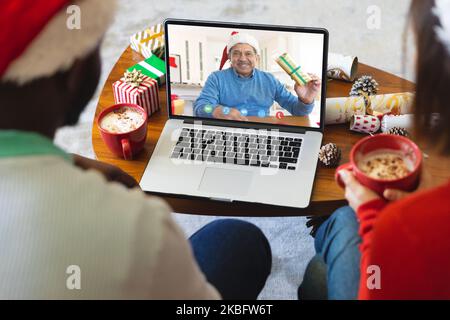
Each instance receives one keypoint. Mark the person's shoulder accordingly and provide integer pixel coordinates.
(128, 211)
(414, 210)
(116, 197)
(438, 197)
(265, 75)
(122, 195)
(219, 75)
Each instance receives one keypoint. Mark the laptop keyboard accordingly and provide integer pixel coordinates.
(254, 150)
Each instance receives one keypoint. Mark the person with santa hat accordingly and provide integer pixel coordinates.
(243, 90)
(74, 228)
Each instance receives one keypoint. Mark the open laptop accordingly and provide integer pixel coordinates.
(239, 131)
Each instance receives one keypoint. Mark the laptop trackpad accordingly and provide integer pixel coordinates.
(234, 182)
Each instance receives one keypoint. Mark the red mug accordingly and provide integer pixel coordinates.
(127, 144)
(384, 142)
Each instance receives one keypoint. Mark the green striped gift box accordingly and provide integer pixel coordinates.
(152, 67)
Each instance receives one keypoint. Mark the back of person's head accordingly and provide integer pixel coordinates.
(430, 20)
(49, 60)
(41, 38)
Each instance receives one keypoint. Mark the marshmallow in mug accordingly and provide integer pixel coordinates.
(122, 120)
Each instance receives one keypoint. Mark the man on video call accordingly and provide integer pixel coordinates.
(243, 90)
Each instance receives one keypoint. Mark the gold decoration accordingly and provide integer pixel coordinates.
(290, 67)
(133, 78)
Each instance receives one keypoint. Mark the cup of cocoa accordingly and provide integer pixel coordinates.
(383, 162)
(123, 128)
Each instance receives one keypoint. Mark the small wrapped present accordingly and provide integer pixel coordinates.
(139, 89)
(403, 121)
(342, 67)
(341, 110)
(287, 64)
(365, 124)
(149, 42)
(394, 104)
(152, 67)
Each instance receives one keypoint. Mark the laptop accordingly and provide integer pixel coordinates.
(239, 128)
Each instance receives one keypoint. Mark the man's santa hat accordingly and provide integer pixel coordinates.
(36, 41)
(235, 39)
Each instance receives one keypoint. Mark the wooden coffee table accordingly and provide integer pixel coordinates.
(326, 196)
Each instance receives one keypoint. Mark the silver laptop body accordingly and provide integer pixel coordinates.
(230, 160)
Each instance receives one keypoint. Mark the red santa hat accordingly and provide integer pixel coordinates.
(36, 41)
(235, 39)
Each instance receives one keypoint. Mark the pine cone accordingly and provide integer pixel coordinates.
(330, 155)
(398, 131)
(365, 84)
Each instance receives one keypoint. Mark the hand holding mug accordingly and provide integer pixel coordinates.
(355, 193)
(426, 182)
(384, 162)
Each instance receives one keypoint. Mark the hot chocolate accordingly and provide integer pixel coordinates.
(122, 120)
(385, 165)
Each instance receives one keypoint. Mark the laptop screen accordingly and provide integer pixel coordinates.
(258, 74)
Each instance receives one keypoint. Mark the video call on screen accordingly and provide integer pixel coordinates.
(215, 74)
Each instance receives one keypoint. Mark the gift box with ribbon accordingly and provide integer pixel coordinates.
(342, 67)
(139, 89)
(392, 104)
(149, 42)
(365, 124)
(341, 110)
(405, 121)
(152, 67)
(290, 67)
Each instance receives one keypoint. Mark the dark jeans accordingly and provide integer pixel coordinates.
(235, 257)
(334, 272)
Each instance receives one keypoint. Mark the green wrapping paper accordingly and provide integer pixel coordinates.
(287, 64)
(152, 67)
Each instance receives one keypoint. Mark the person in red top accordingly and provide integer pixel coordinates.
(396, 247)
